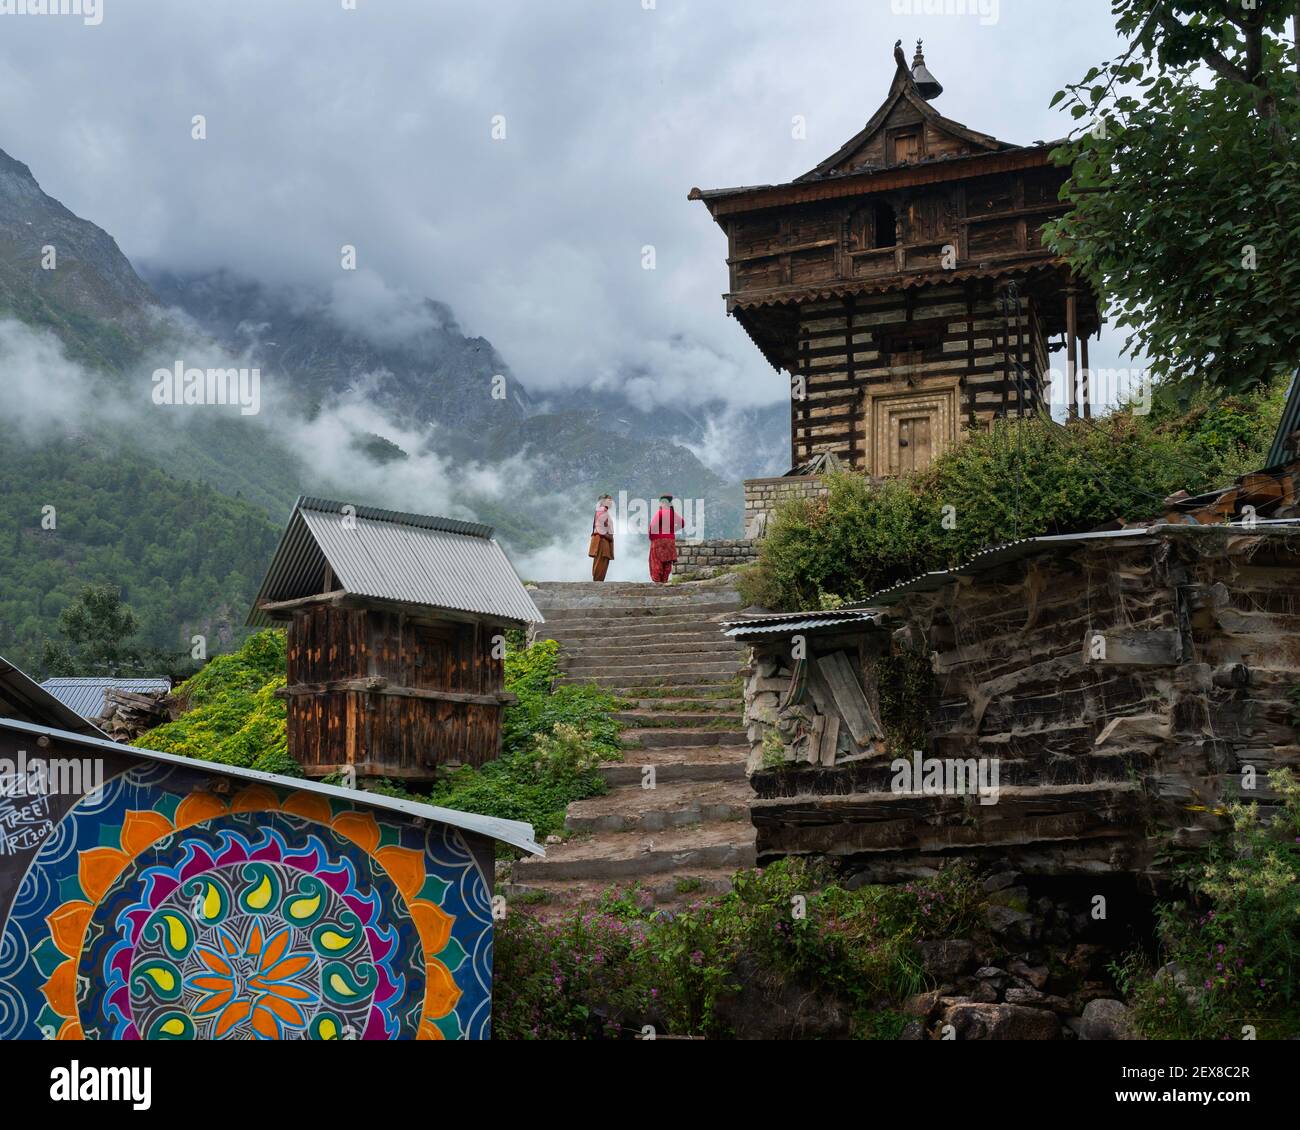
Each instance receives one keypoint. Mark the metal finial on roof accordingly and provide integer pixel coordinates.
(926, 84)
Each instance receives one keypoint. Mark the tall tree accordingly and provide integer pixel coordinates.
(97, 628)
(1185, 186)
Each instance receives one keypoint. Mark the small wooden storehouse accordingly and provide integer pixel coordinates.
(149, 896)
(904, 285)
(396, 639)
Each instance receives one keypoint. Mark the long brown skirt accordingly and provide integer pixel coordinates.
(602, 557)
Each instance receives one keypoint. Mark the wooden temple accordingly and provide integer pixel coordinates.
(904, 285)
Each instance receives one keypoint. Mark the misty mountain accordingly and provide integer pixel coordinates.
(411, 359)
(371, 392)
(410, 355)
(62, 273)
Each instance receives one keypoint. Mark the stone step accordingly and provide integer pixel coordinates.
(664, 737)
(679, 719)
(641, 619)
(589, 593)
(717, 648)
(629, 586)
(687, 705)
(629, 666)
(678, 684)
(634, 632)
(704, 763)
(618, 855)
(669, 805)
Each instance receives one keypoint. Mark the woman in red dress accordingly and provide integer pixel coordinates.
(663, 540)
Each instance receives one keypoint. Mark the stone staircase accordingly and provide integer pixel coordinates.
(659, 650)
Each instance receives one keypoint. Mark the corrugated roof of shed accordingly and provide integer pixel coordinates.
(85, 695)
(391, 555)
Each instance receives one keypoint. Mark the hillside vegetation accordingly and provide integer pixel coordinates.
(185, 557)
(553, 738)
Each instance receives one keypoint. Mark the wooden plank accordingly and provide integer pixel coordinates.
(381, 686)
(812, 751)
(849, 698)
(272, 606)
(829, 740)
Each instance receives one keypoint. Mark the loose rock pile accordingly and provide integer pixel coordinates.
(1026, 975)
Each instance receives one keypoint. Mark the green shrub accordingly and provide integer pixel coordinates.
(1235, 941)
(1017, 479)
(591, 974)
(553, 740)
(233, 715)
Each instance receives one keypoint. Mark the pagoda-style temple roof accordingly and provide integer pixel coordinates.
(913, 201)
(870, 160)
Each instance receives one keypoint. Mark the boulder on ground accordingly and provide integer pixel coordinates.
(947, 958)
(1107, 1020)
(976, 1021)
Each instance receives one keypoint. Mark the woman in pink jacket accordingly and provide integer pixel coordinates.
(663, 540)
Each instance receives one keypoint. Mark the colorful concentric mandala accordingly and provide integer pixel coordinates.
(270, 915)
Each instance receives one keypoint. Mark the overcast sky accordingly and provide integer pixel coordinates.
(374, 127)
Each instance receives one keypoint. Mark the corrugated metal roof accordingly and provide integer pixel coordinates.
(1282, 451)
(390, 555)
(514, 832)
(86, 695)
(25, 700)
(990, 559)
(782, 624)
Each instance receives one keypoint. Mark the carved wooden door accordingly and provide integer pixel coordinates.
(914, 447)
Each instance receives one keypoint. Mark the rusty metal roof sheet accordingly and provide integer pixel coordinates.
(390, 555)
(514, 832)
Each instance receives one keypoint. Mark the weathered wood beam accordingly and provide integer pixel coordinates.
(378, 685)
(271, 607)
(372, 769)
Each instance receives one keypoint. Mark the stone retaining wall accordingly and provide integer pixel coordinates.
(763, 496)
(704, 558)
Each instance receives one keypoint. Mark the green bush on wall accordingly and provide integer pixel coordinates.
(1017, 479)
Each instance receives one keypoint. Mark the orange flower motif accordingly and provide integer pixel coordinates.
(256, 981)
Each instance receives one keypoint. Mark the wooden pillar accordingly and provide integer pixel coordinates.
(1072, 349)
(1005, 299)
(1020, 359)
(851, 373)
(1086, 389)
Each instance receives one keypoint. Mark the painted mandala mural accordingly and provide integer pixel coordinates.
(270, 914)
